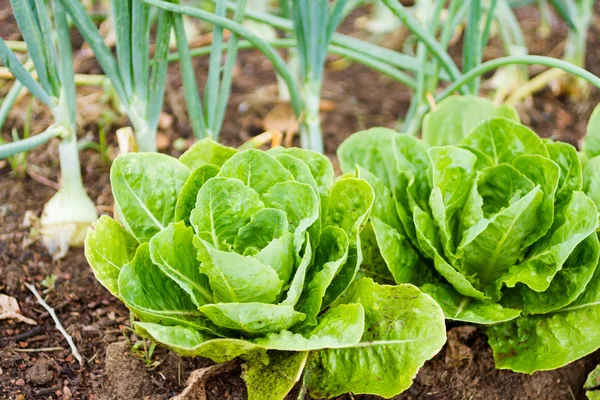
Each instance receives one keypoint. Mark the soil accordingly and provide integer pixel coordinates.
(35, 361)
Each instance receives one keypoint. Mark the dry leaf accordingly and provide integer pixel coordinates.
(196, 383)
(326, 106)
(281, 118)
(126, 140)
(9, 309)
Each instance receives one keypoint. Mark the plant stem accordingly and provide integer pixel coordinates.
(373, 63)
(17, 46)
(227, 77)
(369, 50)
(9, 101)
(412, 125)
(10, 149)
(522, 60)
(211, 92)
(432, 45)
(69, 165)
(310, 130)
(534, 85)
(80, 79)
(190, 91)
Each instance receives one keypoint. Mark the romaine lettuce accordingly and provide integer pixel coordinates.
(253, 254)
(498, 225)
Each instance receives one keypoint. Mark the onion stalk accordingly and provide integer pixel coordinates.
(69, 213)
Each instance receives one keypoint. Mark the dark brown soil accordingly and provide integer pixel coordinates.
(99, 323)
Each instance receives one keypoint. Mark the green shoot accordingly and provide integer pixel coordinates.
(49, 282)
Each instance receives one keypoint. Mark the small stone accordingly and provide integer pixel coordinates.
(109, 338)
(40, 373)
(20, 382)
(67, 393)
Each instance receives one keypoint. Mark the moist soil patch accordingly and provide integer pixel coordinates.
(35, 361)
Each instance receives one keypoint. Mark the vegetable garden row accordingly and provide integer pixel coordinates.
(330, 284)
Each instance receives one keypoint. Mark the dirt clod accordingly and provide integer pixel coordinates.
(40, 373)
(457, 349)
(126, 377)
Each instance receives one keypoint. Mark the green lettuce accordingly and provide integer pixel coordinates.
(496, 224)
(592, 384)
(224, 254)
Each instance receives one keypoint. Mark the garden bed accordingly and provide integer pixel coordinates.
(356, 98)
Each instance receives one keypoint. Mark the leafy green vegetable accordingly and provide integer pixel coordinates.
(496, 224)
(389, 353)
(449, 123)
(592, 384)
(253, 254)
(591, 143)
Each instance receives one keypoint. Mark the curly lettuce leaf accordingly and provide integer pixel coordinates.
(456, 116)
(500, 140)
(108, 247)
(591, 142)
(186, 201)
(467, 309)
(373, 150)
(173, 251)
(252, 318)
(146, 187)
(274, 380)
(575, 221)
(206, 151)
(223, 206)
(152, 297)
(549, 341)
(191, 343)
(591, 183)
(403, 328)
(256, 169)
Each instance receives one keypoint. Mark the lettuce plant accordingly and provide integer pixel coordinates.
(493, 223)
(224, 254)
(592, 384)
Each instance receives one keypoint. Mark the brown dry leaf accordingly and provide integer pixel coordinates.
(327, 106)
(281, 118)
(9, 309)
(196, 383)
(126, 140)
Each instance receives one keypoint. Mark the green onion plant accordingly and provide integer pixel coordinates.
(43, 25)
(137, 78)
(423, 73)
(314, 24)
(579, 14)
(206, 116)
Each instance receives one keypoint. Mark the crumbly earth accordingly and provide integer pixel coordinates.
(35, 361)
